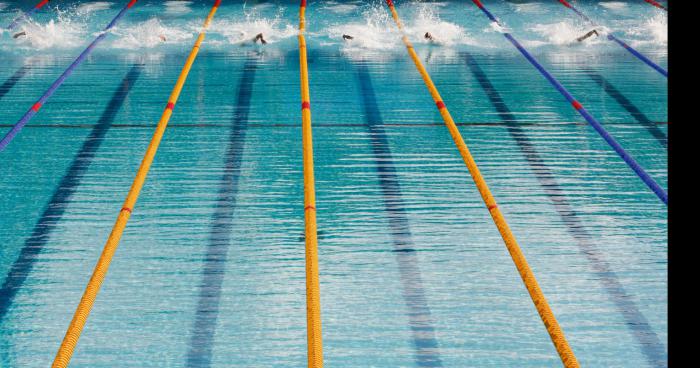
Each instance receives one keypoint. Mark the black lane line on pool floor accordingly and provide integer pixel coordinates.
(12, 80)
(20, 269)
(633, 110)
(214, 269)
(649, 342)
(329, 125)
(427, 351)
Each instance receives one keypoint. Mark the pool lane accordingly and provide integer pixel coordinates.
(201, 342)
(625, 103)
(180, 206)
(49, 219)
(636, 322)
(427, 353)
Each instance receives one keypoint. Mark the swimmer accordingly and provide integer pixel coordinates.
(259, 36)
(17, 35)
(348, 37)
(589, 34)
(429, 37)
(162, 38)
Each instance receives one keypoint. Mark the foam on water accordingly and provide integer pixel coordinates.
(237, 32)
(369, 23)
(653, 32)
(377, 30)
(177, 7)
(92, 7)
(3, 6)
(613, 5)
(444, 33)
(564, 33)
(148, 34)
(374, 32)
(496, 27)
(527, 7)
(62, 33)
(658, 27)
(339, 8)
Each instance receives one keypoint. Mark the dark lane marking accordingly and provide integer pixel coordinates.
(10, 82)
(427, 351)
(649, 342)
(337, 125)
(20, 269)
(321, 234)
(633, 110)
(202, 340)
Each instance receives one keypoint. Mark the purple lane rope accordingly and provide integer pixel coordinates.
(648, 180)
(35, 108)
(26, 15)
(618, 41)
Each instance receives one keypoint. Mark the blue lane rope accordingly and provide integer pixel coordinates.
(35, 108)
(612, 37)
(26, 15)
(660, 192)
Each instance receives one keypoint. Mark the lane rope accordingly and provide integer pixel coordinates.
(555, 332)
(656, 4)
(26, 15)
(631, 162)
(82, 312)
(314, 339)
(618, 41)
(34, 109)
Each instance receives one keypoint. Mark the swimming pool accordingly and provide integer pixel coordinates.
(210, 271)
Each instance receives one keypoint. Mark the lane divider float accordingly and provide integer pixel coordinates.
(26, 15)
(623, 44)
(314, 339)
(656, 4)
(631, 162)
(9, 136)
(82, 312)
(555, 332)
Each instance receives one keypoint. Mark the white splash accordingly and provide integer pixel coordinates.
(377, 31)
(374, 32)
(613, 5)
(92, 7)
(177, 7)
(62, 33)
(497, 27)
(565, 33)
(653, 31)
(149, 34)
(444, 33)
(658, 27)
(339, 8)
(240, 32)
(527, 7)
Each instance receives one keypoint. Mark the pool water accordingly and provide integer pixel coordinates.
(210, 271)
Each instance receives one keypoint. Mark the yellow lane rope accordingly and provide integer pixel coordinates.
(555, 332)
(313, 293)
(65, 352)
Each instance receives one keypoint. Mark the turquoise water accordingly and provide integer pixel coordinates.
(210, 271)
